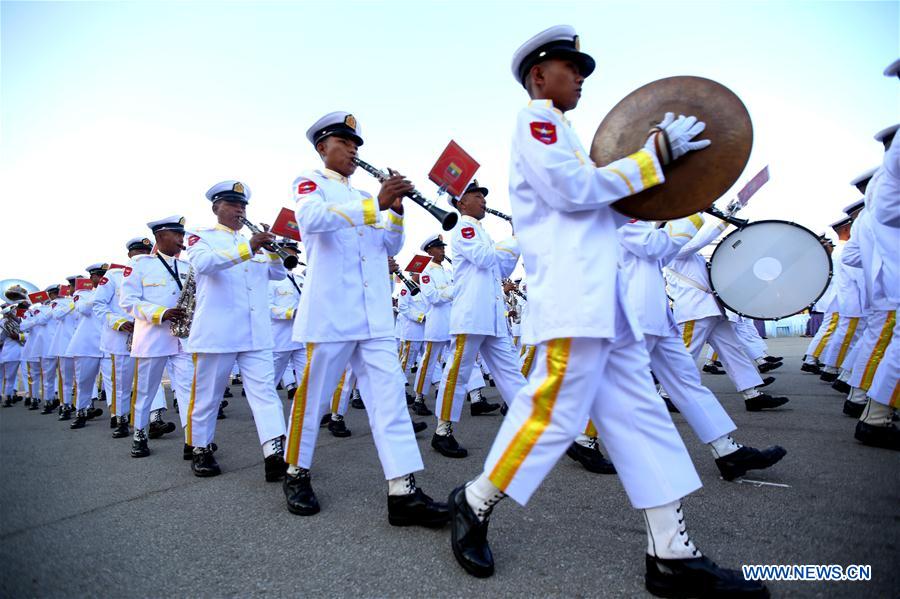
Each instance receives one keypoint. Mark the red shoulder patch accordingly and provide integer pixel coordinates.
(544, 132)
(306, 186)
(426, 279)
(403, 292)
(37, 311)
(467, 233)
(52, 304)
(75, 298)
(193, 239)
(127, 271)
(104, 281)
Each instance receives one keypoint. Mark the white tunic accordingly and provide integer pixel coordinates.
(64, 313)
(479, 267)
(231, 313)
(147, 292)
(86, 339)
(437, 288)
(850, 283)
(565, 224)
(110, 314)
(688, 277)
(347, 291)
(33, 324)
(284, 297)
(414, 308)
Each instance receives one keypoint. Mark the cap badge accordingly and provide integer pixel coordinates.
(577, 44)
(181, 221)
(238, 187)
(350, 121)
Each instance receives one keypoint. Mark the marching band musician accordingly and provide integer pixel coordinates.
(116, 329)
(84, 349)
(284, 296)
(64, 312)
(49, 326)
(702, 320)
(231, 323)
(585, 363)
(437, 288)
(412, 335)
(151, 286)
(11, 352)
(477, 317)
(30, 326)
(345, 316)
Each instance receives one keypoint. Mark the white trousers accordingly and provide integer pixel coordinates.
(148, 376)
(9, 369)
(608, 381)
(754, 345)
(874, 341)
(33, 370)
(118, 381)
(48, 378)
(381, 382)
(289, 362)
(820, 340)
(85, 388)
(211, 372)
(846, 333)
(718, 332)
(65, 379)
(885, 388)
(430, 369)
(409, 352)
(340, 399)
(676, 371)
(497, 352)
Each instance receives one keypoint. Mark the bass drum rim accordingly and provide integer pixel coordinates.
(775, 318)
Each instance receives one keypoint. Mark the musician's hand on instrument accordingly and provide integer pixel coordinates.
(508, 286)
(681, 132)
(173, 314)
(392, 190)
(260, 239)
(392, 265)
(128, 327)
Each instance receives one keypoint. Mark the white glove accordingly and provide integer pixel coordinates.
(671, 138)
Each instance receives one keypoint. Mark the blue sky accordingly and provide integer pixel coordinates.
(115, 114)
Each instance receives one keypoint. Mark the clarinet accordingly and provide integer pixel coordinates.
(499, 214)
(288, 260)
(413, 288)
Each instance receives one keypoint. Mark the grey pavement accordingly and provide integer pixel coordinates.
(80, 518)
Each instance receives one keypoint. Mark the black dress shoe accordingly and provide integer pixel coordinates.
(710, 369)
(357, 403)
(139, 448)
(420, 426)
(853, 409)
(227, 393)
(326, 418)
(504, 409)
(670, 406)
(491, 381)
(48, 408)
(159, 428)
(175, 404)
(291, 392)
(417, 509)
(447, 446)
(409, 399)
(697, 577)
(224, 403)
(828, 377)
(66, 413)
(276, 467)
(221, 415)
(746, 458)
(80, 420)
(420, 409)
(767, 366)
(113, 422)
(122, 430)
(774, 358)
(479, 408)
(7, 403)
(717, 363)
(243, 393)
(812, 368)
(886, 437)
(766, 382)
(35, 404)
(93, 413)
(841, 387)
(188, 452)
(338, 428)
(27, 402)
(468, 536)
(591, 458)
(203, 463)
(298, 491)
(764, 402)
(414, 370)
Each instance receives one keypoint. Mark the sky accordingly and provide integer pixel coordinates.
(113, 114)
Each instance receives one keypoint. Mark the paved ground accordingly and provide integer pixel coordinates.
(80, 518)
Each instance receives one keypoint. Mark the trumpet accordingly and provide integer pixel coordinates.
(447, 219)
(288, 260)
(498, 214)
(413, 288)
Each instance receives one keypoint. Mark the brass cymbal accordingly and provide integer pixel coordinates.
(696, 180)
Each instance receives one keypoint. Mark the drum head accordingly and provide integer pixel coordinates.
(770, 269)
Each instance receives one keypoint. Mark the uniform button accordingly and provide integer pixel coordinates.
(251, 309)
(360, 233)
(363, 258)
(365, 283)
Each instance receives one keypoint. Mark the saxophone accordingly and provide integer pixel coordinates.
(181, 327)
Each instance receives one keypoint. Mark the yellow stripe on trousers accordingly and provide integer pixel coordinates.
(59, 381)
(423, 369)
(450, 387)
(832, 325)
(189, 426)
(336, 396)
(590, 430)
(529, 360)
(845, 345)
(688, 334)
(895, 396)
(541, 411)
(878, 351)
(112, 404)
(405, 356)
(43, 395)
(134, 388)
(298, 410)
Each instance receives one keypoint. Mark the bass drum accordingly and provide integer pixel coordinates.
(769, 269)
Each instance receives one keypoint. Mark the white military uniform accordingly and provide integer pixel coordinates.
(231, 323)
(699, 316)
(478, 317)
(851, 299)
(64, 313)
(345, 316)
(84, 349)
(284, 297)
(412, 335)
(591, 357)
(644, 251)
(34, 324)
(119, 378)
(148, 290)
(49, 361)
(827, 304)
(10, 356)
